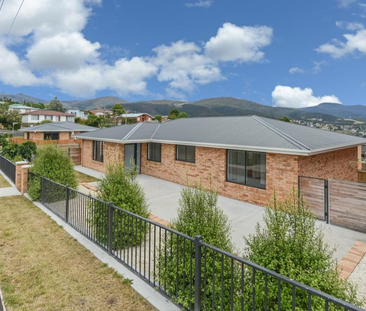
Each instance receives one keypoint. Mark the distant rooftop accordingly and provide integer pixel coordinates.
(59, 127)
(49, 113)
(19, 106)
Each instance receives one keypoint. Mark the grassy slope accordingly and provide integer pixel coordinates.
(44, 268)
(3, 182)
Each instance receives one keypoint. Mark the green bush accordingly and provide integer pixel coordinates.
(27, 150)
(54, 164)
(198, 214)
(289, 243)
(3, 140)
(10, 151)
(120, 187)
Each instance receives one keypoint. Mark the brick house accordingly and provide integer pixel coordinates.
(34, 117)
(244, 158)
(60, 131)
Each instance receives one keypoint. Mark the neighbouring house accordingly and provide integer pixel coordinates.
(21, 108)
(60, 131)
(245, 158)
(34, 117)
(139, 117)
(77, 113)
(101, 112)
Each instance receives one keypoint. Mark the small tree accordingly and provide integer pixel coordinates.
(55, 105)
(93, 120)
(54, 164)
(117, 111)
(174, 114)
(120, 187)
(27, 150)
(198, 214)
(158, 118)
(289, 243)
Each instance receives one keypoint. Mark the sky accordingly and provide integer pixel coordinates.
(287, 53)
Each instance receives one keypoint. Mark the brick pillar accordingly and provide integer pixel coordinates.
(359, 157)
(18, 173)
(24, 184)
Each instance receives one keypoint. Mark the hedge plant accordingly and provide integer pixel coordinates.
(120, 187)
(289, 243)
(198, 214)
(54, 164)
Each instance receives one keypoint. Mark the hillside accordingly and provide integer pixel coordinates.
(357, 112)
(88, 104)
(20, 98)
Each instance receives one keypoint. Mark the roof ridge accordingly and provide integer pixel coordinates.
(289, 138)
(152, 135)
(129, 134)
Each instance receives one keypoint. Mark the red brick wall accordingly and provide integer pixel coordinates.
(341, 164)
(210, 167)
(64, 136)
(112, 153)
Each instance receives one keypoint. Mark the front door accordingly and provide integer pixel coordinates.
(133, 156)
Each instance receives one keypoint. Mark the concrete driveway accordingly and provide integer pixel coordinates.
(164, 197)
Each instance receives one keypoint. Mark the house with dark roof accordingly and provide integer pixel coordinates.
(59, 131)
(35, 117)
(245, 157)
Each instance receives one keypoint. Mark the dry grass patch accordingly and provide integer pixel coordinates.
(81, 177)
(3, 182)
(44, 268)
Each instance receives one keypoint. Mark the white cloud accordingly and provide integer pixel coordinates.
(62, 51)
(201, 4)
(345, 3)
(242, 44)
(47, 47)
(293, 70)
(354, 43)
(349, 26)
(183, 66)
(286, 96)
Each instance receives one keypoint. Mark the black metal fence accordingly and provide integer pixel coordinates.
(190, 272)
(8, 168)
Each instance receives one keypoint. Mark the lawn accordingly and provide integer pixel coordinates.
(44, 268)
(81, 177)
(3, 182)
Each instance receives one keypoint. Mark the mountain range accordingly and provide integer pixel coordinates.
(212, 107)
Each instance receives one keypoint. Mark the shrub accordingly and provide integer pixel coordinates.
(198, 214)
(27, 150)
(3, 140)
(289, 243)
(10, 151)
(120, 187)
(54, 164)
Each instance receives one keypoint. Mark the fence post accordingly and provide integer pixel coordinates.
(197, 273)
(326, 201)
(110, 227)
(42, 190)
(67, 204)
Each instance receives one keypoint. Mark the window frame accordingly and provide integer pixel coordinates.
(185, 153)
(98, 156)
(51, 135)
(148, 149)
(245, 183)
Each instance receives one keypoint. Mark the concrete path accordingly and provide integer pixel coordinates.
(164, 201)
(8, 191)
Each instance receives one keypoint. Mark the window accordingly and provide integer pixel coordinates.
(185, 153)
(28, 135)
(247, 168)
(52, 136)
(34, 118)
(98, 151)
(70, 119)
(48, 117)
(154, 152)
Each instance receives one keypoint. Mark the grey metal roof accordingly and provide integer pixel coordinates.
(242, 132)
(59, 127)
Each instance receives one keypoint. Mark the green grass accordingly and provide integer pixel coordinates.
(3, 182)
(81, 177)
(43, 268)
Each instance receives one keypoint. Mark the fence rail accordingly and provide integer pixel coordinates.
(191, 273)
(8, 168)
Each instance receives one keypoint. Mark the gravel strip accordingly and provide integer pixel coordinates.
(358, 277)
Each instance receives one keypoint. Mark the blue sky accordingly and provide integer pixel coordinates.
(283, 53)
